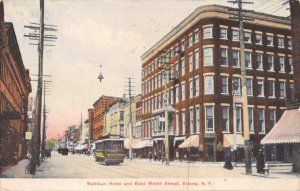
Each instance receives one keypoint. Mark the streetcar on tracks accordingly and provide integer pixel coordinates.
(110, 150)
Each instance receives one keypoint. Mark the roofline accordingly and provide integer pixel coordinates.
(104, 96)
(211, 8)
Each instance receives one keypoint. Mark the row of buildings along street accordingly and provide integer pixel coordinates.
(191, 94)
(200, 59)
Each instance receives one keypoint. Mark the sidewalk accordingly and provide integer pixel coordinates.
(16, 171)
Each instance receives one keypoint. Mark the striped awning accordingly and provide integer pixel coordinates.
(192, 141)
(286, 130)
(143, 144)
(228, 140)
(133, 143)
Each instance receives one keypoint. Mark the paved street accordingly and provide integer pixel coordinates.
(80, 172)
(81, 166)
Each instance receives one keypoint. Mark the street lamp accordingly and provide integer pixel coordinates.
(100, 77)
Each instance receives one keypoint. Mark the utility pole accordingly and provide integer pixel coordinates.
(44, 118)
(241, 19)
(130, 90)
(36, 139)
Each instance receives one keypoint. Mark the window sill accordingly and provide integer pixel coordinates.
(272, 97)
(225, 132)
(271, 70)
(258, 44)
(208, 38)
(223, 38)
(259, 69)
(270, 45)
(226, 94)
(261, 96)
(249, 68)
(252, 133)
(282, 72)
(261, 133)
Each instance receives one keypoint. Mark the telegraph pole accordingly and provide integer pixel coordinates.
(130, 90)
(44, 118)
(241, 19)
(40, 37)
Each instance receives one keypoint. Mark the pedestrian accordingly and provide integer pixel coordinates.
(228, 164)
(163, 158)
(150, 156)
(260, 162)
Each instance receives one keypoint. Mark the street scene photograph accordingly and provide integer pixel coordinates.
(149, 95)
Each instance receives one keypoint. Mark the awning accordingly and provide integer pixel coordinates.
(159, 139)
(228, 140)
(133, 143)
(81, 147)
(191, 141)
(286, 130)
(178, 139)
(143, 144)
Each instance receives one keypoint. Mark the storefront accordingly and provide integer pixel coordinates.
(189, 149)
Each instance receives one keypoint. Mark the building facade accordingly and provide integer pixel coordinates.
(201, 61)
(114, 119)
(134, 100)
(14, 90)
(100, 108)
(91, 123)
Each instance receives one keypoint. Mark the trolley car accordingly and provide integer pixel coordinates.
(110, 150)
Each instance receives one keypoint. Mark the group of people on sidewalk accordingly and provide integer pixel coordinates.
(261, 166)
(161, 156)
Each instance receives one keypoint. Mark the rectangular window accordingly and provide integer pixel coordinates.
(207, 32)
(261, 120)
(236, 86)
(248, 61)
(224, 57)
(238, 119)
(272, 113)
(183, 91)
(280, 42)
(176, 49)
(191, 62)
(177, 70)
(270, 41)
(247, 37)
(172, 96)
(271, 88)
(292, 91)
(259, 61)
(197, 62)
(260, 84)
(196, 34)
(223, 33)
(249, 87)
(182, 64)
(282, 93)
(291, 65)
(208, 56)
(281, 64)
(191, 121)
(197, 84)
(235, 35)
(177, 94)
(270, 61)
(235, 58)
(183, 122)
(191, 40)
(209, 118)
(191, 83)
(258, 38)
(290, 46)
(197, 119)
(225, 118)
(208, 84)
(177, 123)
(182, 45)
(224, 80)
(250, 117)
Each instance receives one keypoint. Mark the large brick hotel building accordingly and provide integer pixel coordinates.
(203, 70)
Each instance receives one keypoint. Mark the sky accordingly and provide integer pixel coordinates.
(113, 34)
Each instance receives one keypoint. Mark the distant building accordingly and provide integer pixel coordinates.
(114, 119)
(91, 123)
(203, 76)
(14, 90)
(100, 108)
(134, 100)
(84, 134)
